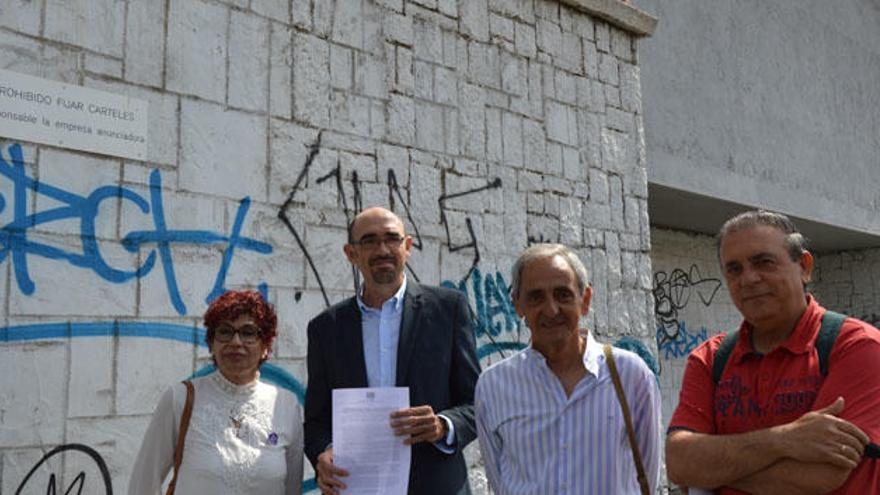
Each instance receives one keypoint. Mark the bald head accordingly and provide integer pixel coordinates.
(373, 215)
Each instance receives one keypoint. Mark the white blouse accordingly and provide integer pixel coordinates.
(242, 439)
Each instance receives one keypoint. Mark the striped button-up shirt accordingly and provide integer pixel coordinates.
(536, 440)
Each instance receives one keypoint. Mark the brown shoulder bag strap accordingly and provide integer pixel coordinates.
(630, 431)
(181, 435)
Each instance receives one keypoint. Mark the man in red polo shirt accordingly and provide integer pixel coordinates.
(774, 422)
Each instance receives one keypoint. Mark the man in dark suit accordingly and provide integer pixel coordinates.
(395, 332)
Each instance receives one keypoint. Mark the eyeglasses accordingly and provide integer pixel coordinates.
(248, 334)
(371, 242)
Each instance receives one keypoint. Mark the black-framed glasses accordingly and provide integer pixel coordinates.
(248, 334)
(371, 242)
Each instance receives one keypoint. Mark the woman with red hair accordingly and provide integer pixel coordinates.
(242, 435)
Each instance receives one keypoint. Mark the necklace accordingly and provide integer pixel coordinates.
(236, 423)
(237, 417)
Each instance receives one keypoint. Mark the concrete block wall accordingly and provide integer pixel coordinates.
(486, 125)
(691, 303)
(739, 113)
(849, 282)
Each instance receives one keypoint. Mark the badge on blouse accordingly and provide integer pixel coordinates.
(273, 438)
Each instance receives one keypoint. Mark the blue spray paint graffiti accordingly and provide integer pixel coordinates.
(158, 330)
(15, 244)
(494, 314)
(683, 343)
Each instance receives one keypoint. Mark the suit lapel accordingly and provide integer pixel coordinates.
(352, 345)
(409, 324)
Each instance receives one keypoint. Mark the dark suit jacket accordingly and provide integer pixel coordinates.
(436, 359)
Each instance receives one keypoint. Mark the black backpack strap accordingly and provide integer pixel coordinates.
(831, 323)
(723, 354)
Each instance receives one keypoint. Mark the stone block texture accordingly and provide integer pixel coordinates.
(486, 125)
(690, 303)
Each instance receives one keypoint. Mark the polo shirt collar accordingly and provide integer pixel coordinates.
(396, 300)
(592, 354)
(800, 341)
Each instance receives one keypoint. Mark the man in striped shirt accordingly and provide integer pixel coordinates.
(548, 419)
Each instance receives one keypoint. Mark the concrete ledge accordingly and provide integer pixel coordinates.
(620, 14)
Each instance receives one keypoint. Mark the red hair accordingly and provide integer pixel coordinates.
(233, 304)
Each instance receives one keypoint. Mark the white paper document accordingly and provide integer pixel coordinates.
(364, 443)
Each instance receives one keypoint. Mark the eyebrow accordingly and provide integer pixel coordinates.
(751, 259)
(761, 256)
(386, 235)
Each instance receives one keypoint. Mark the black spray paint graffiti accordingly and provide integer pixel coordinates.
(494, 184)
(672, 293)
(79, 482)
(395, 196)
(282, 213)
(490, 295)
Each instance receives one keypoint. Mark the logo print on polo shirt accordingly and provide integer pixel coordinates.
(733, 398)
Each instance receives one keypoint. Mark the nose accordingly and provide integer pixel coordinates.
(382, 247)
(749, 276)
(236, 338)
(551, 308)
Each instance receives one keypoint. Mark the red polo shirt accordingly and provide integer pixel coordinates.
(759, 391)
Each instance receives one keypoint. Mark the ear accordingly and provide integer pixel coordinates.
(350, 253)
(517, 307)
(407, 245)
(588, 294)
(806, 263)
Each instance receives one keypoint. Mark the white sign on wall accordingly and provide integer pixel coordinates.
(49, 112)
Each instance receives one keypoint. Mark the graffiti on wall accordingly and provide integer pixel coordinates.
(395, 197)
(683, 343)
(495, 322)
(17, 246)
(494, 315)
(20, 250)
(672, 293)
(81, 483)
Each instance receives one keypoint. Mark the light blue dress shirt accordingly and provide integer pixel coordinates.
(381, 334)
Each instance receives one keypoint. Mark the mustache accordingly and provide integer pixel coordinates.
(556, 320)
(382, 259)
